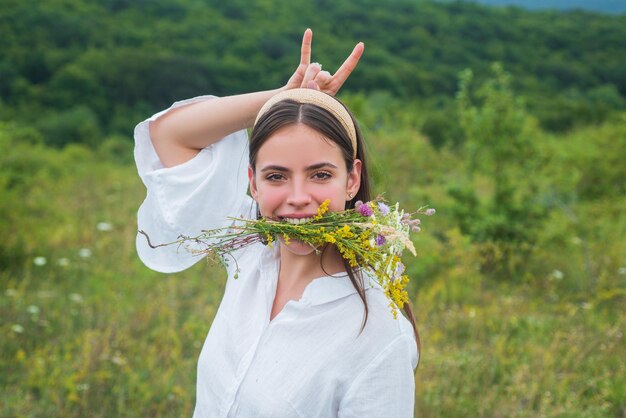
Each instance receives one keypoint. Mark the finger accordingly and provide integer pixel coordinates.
(310, 74)
(305, 51)
(312, 85)
(349, 64)
(322, 78)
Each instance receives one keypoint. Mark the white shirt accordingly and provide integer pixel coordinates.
(311, 360)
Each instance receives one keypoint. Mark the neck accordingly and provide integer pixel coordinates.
(297, 271)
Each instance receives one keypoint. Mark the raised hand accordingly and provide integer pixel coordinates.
(311, 75)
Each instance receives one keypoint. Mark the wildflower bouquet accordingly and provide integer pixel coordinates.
(371, 236)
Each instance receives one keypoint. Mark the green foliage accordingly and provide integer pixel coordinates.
(89, 331)
(575, 108)
(500, 209)
(494, 123)
(72, 59)
(86, 329)
(76, 125)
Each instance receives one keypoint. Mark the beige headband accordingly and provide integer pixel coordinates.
(318, 98)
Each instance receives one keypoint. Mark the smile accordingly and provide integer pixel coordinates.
(296, 221)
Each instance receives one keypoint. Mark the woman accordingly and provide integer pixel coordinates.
(298, 333)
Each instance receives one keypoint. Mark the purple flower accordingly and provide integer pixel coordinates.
(429, 212)
(380, 240)
(365, 210)
(399, 269)
(384, 209)
(358, 204)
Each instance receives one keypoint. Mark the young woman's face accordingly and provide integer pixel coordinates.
(296, 170)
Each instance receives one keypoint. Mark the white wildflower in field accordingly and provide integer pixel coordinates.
(118, 359)
(17, 328)
(84, 253)
(104, 226)
(40, 261)
(33, 309)
(75, 297)
(622, 270)
(82, 387)
(63, 262)
(557, 274)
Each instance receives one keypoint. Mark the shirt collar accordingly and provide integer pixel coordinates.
(330, 288)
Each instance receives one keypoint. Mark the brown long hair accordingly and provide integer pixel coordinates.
(289, 112)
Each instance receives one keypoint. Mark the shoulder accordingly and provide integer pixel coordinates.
(381, 332)
(383, 323)
(383, 383)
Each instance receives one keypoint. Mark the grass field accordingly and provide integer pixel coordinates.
(88, 331)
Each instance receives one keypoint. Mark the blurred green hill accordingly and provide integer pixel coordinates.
(77, 70)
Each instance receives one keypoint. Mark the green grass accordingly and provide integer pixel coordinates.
(101, 335)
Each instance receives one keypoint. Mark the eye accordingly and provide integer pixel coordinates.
(275, 177)
(322, 175)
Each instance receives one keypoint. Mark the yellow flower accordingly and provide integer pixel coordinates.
(329, 238)
(322, 209)
(345, 232)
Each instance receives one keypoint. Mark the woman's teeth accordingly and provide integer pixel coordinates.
(297, 221)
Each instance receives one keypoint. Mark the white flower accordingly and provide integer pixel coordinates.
(104, 226)
(82, 387)
(75, 297)
(33, 309)
(84, 253)
(40, 261)
(557, 274)
(17, 328)
(622, 270)
(118, 359)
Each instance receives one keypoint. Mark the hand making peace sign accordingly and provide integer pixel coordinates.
(310, 75)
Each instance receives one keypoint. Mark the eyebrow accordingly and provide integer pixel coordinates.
(309, 168)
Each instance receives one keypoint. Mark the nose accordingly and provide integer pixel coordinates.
(298, 195)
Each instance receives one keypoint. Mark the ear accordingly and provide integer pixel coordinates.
(354, 179)
(254, 192)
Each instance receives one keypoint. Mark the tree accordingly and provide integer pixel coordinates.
(504, 215)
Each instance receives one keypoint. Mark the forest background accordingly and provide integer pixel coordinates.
(511, 123)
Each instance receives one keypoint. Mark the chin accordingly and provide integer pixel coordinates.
(297, 247)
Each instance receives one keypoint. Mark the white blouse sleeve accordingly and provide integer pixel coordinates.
(386, 387)
(185, 199)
